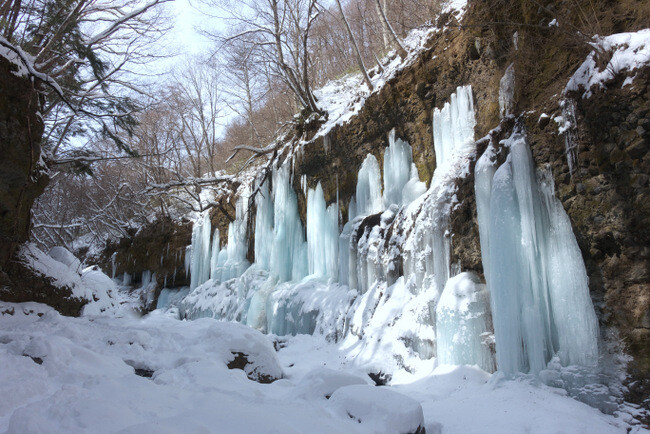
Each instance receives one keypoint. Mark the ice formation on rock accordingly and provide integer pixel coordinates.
(401, 182)
(263, 226)
(322, 235)
(348, 284)
(507, 91)
(453, 125)
(463, 323)
(385, 282)
(536, 276)
(236, 262)
(200, 252)
(289, 249)
(368, 198)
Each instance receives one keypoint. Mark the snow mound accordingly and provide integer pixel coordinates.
(65, 257)
(378, 409)
(103, 289)
(627, 52)
(59, 267)
(248, 346)
(321, 383)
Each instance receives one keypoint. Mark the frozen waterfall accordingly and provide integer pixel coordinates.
(536, 276)
(200, 251)
(322, 235)
(368, 192)
(453, 125)
(384, 281)
(401, 182)
(463, 323)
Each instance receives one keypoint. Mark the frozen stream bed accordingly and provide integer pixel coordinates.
(61, 374)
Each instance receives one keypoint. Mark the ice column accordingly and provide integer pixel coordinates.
(483, 175)
(200, 252)
(463, 322)
(575, 320)
(289, 251)
(453, 125)
(263, 226)
(453, 135)
(322, 235)
(536, 277)
(401, 181)
(214, 256)
(368, 194)
(237, 246)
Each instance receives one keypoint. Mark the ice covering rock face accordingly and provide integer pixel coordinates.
(401, 182)
(352, 282)
(368, 198)
(464, 323)
(322, 235)
(200, 253)
(289, 249)
(393, 267)
(537, 279)
(453, 125)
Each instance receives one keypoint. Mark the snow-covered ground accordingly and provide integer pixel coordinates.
(61, 374)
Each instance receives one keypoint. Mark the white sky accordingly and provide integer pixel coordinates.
(185, 38)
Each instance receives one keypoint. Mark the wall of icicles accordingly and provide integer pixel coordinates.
(389, 286)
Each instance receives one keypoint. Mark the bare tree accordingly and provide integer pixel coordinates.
(282, 28)
(389, 30)
(83, 52)
(362, 67)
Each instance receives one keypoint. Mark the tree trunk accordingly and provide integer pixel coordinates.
(382, 16)
(362, 67)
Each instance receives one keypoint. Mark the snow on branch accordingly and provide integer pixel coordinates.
(189, 182)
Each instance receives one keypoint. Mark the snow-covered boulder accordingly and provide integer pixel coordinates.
(321, 383)
(54, 279)
(103, 289)
(247, 349)
(65, 256)
(379, 409)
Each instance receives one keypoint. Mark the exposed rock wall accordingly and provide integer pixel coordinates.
(606, 197)
(159, 247)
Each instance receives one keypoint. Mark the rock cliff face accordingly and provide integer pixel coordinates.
(159, 247)
(606, 194)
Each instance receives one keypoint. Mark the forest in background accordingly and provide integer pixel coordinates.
(116, 123)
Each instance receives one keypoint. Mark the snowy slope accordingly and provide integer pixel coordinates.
(63, 374)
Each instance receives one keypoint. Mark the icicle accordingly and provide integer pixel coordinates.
(188, 259)
(507, 91)
(535, 273)
(214, 255)
(322, 235)
(264, 226)
(483, 175)
(575, 320)
(368, 193)
(453, 125)
(289, 251)
(200, 252)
